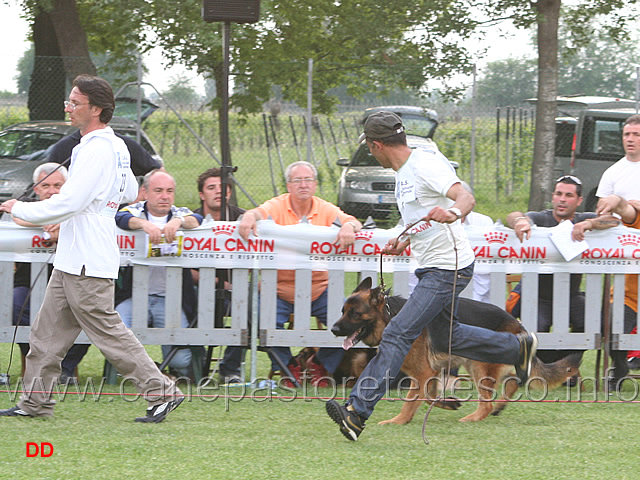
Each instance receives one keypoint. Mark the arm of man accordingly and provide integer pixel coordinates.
(463, 201)
(154, 231)
(395, 247)
(249, 223)
(53, 229)
(601, 222)
(176, 223)
(347, 233)
(521, 224)
(615, 204)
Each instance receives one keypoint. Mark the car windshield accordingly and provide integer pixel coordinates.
(418, 125)
(26, 145)
(363, 158)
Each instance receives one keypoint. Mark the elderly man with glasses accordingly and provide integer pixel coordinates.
(565, 199)
(289, 209)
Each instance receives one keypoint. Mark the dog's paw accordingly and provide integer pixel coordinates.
(450, 403)
(397, 420)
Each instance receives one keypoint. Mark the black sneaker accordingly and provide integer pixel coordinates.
(528, 348)
(633, 363)
(351, 425)
(14, 412)
(158, 413)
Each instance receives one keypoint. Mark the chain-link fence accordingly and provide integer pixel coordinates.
(493, 149)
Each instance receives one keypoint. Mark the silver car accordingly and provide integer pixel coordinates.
(24, 146)
(367, 189)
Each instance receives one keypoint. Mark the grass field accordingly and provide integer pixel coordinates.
(280, 438)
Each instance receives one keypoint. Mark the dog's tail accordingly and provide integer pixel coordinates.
(556, 373)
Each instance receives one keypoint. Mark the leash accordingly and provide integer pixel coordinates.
(444, 379)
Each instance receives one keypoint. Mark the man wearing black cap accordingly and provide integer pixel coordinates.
(431, 200)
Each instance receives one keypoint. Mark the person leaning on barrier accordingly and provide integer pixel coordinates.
(565, 199)
(52, 176)
(161, 220)
(79, 294)
(289, 209)
(621, 178)
(210, 191)
(628, 210)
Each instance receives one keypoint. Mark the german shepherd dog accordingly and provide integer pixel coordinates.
(367, 312)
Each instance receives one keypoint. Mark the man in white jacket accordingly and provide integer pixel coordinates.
(80, 292)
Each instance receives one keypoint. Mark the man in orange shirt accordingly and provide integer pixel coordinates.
(289, 209)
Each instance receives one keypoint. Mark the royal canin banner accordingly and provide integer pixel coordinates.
(304, 246)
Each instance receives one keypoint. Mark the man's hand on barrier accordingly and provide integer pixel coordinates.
(8, 205)
(522, 227)
(249, 224)
(577, 233)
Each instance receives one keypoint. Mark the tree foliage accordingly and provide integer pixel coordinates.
(614, 16)
(369, 46)
(180, 92)
(602, 67)
(507, 82)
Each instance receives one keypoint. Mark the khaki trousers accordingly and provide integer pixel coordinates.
(73, 303)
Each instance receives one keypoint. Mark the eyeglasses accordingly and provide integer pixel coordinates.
(73, 106)
(298, 181)
(571, 178)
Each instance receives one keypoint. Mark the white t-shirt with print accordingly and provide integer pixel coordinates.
(422, 183)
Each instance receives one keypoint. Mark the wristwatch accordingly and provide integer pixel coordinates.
(456, 212)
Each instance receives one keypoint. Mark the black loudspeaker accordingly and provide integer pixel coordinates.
(238, 11)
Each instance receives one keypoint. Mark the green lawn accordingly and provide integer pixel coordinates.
(294, 439)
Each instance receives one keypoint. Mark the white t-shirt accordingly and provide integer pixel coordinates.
(622, 178)
(422, 183)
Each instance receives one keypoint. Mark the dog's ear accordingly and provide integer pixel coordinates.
(364, 285)
(377, 297)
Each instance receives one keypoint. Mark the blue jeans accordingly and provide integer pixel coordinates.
(429, 306)
(329, 357)
(181, 361)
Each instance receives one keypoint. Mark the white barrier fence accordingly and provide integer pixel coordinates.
(305, 248)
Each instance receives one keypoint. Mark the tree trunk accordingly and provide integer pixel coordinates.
(544, 143)
(47, 89)
(72, 39)
(61, 53)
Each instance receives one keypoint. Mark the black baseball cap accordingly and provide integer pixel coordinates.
(381, 125)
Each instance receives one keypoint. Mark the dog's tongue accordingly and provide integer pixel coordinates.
(348, 342)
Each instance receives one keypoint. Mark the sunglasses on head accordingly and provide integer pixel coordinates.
(571, 178)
